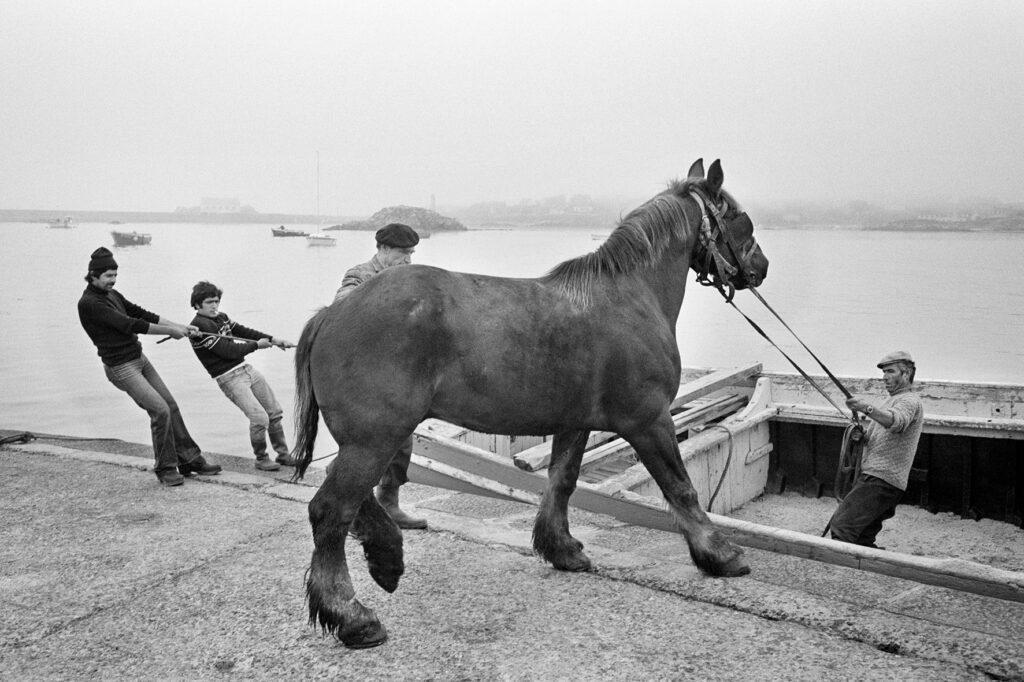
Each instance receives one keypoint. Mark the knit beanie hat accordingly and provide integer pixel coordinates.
(102, 260)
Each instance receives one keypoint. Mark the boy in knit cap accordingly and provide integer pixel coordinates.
(113, 323)
(221, 346)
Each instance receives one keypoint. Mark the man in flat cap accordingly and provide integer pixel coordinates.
(890, 443)
(113, 323)
(395, 245)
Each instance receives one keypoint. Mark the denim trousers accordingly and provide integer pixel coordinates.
(246, 388)
(172, 443)
(860, 514)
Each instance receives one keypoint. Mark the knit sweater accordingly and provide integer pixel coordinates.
(889, 452)
(113, 323)
(223, 355)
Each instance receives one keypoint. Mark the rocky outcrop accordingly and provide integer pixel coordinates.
(422, 220)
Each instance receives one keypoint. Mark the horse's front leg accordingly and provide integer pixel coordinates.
(710, 550)
(329, 591)
(551, 537)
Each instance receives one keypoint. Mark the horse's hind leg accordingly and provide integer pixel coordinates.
(551, 537)
(329, 591)
(382, 543)
(710, 550)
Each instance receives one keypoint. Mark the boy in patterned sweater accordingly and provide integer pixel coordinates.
(222, 346)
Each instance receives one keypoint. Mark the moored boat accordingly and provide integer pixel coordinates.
(287, 232)
(132, 238)
(320, 239)
(65, 222)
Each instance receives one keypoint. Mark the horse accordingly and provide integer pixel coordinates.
(591, 345)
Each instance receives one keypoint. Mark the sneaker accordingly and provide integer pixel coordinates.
(285, 460)
(264, 464)
(170, 478)
(199, 466)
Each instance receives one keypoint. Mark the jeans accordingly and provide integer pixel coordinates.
(172, 444)
(247, 389)
(859, 517)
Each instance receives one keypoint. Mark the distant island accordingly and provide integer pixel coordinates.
(423, 220)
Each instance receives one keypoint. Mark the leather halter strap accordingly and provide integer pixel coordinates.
(708, 239)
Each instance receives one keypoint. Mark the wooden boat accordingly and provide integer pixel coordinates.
(320, 239)
(132, 238)
(63, 223)
(744, 433)
(287, 232)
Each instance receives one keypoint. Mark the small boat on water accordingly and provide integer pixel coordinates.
(287, 232)
(131, 238)
(65, 222)
(320, 239)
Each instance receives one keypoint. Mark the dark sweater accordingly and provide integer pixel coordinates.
(113, 322)
(223, 355)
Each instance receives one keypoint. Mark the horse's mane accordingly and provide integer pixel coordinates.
(640, 239)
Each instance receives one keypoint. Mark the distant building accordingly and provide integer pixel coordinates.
(216, 205)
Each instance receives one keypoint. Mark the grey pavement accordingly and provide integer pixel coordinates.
(106, 575)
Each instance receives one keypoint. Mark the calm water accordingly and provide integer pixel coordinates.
(956, 301)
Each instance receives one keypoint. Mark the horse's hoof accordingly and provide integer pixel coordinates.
(577, 563)
(361, 629)
(735, 567)
(367, 637)
(387, 579)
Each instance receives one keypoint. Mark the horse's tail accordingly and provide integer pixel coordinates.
(307, 410)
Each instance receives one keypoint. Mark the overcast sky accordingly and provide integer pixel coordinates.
(140, 105)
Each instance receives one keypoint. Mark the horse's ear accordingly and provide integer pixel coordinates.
(715, 177)
(696, 170)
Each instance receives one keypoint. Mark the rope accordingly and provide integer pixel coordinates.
(27, 437)
(848, 469)
(793, 362)
(728, 460)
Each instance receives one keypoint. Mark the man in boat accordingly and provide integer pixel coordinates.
(395, 245)
(113, 323)
(221, 346)
(890, 443)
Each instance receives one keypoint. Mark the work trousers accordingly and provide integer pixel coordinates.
(172, 443)
(860, 514)
(246, 388)
(397, 472)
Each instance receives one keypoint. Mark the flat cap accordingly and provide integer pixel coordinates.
(397, 235)
(895, 356)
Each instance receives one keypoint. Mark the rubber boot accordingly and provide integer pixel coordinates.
(388, 498)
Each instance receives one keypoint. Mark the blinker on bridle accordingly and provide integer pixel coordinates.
(722, 277)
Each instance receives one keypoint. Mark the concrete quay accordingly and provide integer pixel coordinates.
(104, 574)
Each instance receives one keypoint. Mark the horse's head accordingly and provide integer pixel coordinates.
(727, 255)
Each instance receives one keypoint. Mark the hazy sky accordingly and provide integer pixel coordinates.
(139, 105)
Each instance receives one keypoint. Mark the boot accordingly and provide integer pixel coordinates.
(388, 498)
(199, 466)
(264, 463)
(169, 477)
(285, 460)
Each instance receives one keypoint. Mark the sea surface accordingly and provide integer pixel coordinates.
(953, 300)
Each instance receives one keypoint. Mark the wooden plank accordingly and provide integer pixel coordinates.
(539, 456)
(648, 512)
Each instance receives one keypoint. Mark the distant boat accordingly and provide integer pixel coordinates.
(115, 222)
(65, 222)
(320, 239)
(423, 234)
(602, 237)
(288, 232)
(131, 238)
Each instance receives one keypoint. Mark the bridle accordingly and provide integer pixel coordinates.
(710, 230)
